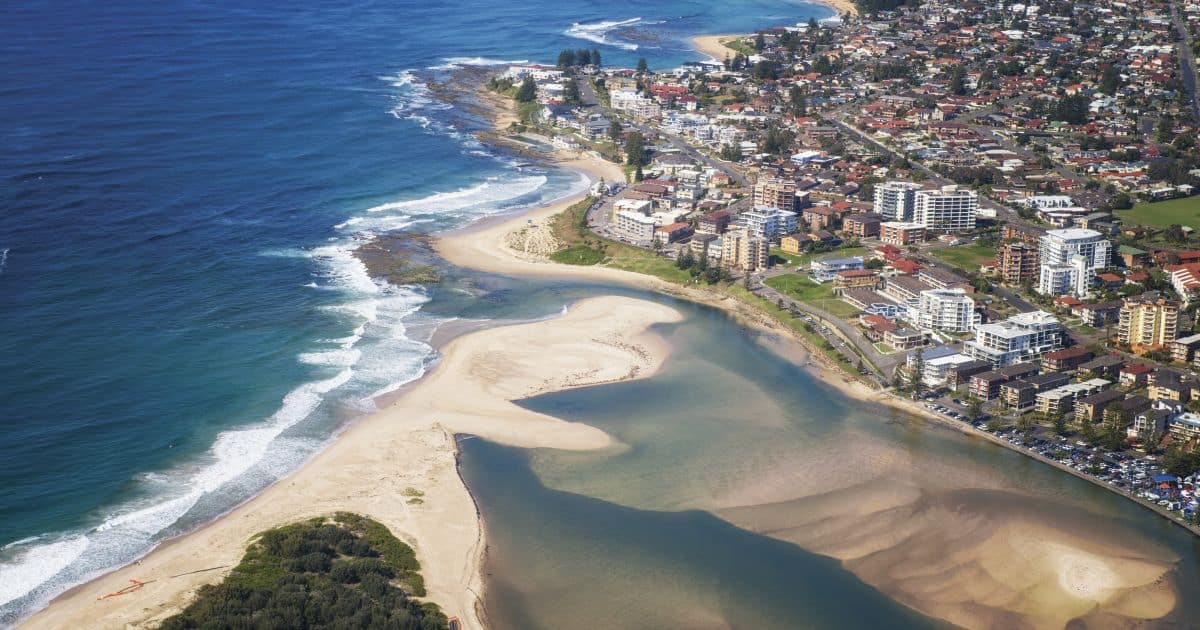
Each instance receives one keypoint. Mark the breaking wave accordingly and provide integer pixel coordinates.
(598, 32)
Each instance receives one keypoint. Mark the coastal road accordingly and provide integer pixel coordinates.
(1187, 65)
(846, 333)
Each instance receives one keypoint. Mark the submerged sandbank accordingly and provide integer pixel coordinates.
(372, 466)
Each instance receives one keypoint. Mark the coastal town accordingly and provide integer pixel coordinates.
(985, 208)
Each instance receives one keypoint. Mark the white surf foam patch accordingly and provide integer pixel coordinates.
(37, 564)
(453, 63)
(3, 259)
(598, 32)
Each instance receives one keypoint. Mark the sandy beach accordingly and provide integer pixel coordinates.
(377, 465)
(714, 45)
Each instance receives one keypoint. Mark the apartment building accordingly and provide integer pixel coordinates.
(1022, 337)
(947, 209)
(1184, 349)
(948, 310)
(1018, 263)
(1061, 400)
(862, 225)
(744, 251)
(896, 201)
(768, 223)
(1069, 259)
(1148, 322)
(776, 193)
(900, 233)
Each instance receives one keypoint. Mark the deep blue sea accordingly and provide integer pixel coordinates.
(182, 319)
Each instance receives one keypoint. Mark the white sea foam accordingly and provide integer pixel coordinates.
(3, 259)
(377, 357)
(598, 32)
(36, 565)
(451, 63)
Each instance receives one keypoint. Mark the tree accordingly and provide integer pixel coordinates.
(1113, 435)
(528, 90)
(1087, 431)
(566, 59)
(596, 57)
(915, 372)
(1059, 422)
(583, 57)
(638, 175)
(642, 67)
(798, 100)
(760, 42)
(686, 259)
(635, 149)
(812, 25)
(1110, 81)
(958, 83)
(974, 407)
(1025, 424)
(571, 93)
(746, 281)
(614, 130)
(731, 152)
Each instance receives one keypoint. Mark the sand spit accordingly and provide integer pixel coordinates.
(377, 465)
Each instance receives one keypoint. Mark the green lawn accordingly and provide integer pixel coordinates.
(965, 257)
(793, 260)
(1185, 211)
(802, 289)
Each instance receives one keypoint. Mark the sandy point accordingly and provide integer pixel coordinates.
(379, 462)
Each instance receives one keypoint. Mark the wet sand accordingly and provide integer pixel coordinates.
(372, 466)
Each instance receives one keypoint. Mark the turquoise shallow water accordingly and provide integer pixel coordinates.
(181, 318)
(640, 535)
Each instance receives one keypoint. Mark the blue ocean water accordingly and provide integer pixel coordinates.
(182, 319)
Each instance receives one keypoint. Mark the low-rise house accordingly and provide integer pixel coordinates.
(904, 338)
(986, 385)
(961, 374)
(1099, 314)
(1171, 386)
(1066, 360)
(900, 234)
(1136, 374)
(1062, 399)
(1184, 349)
(713, 222)
(862, 225)
(1185, 426)
(826, 269)
(855, 279)
(1091, 408)
(1107, 366)
(1020, 394)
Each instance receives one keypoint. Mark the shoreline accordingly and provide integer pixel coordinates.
(482, 246)
(714, 45)
(399, 465)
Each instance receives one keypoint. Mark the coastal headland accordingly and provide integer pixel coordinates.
(398, 465)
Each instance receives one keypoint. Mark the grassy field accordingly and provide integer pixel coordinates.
(1184, 211)
(792, 260)
(802, 289)
(582, 247)
(966, 257)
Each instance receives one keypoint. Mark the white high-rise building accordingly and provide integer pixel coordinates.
(1069, 260)
(948, 209)
(945, 309)
(769, 223)
(1023, 337)
(896, 200)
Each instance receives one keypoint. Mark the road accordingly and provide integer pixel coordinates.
(1187, 65)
